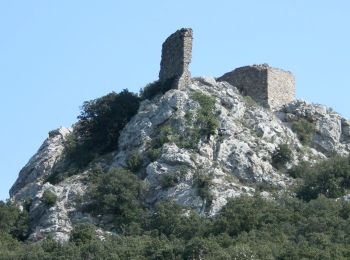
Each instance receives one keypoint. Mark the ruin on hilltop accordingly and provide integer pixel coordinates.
(270, 87)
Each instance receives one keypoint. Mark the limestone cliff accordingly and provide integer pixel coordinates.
(198, 143)
(237, 156)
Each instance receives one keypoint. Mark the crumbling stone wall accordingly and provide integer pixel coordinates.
(268, 86)
(176, 57)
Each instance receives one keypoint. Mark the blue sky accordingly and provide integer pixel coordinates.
(56, 54)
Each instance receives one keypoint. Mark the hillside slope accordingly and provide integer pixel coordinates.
(197, 146)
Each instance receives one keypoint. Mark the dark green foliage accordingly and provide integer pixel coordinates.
(96, 132)
(171, 219)
(314, 227)
(118, 193)
(171, 179)
(246, 228)
(330, 178)
(207, 119)
(134, 162)
(156, 87)
(204, 123)
(305, 130)
(100, 123)
(202, 183)
(13, 221)
(153, 154)
(49, 198)
(281, 156)
(247, 213)
(83, 233)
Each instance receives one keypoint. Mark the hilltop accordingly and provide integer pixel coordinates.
(193, 143)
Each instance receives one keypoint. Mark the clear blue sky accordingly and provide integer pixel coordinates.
(56, 54)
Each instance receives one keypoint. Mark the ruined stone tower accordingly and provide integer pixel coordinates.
(268, 86)
(176, 57)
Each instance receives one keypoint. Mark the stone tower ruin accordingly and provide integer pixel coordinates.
(176, 57)
(270, 87)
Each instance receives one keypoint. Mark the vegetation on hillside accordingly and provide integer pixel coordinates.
(97, 131)
(305, 130)
(312, 225)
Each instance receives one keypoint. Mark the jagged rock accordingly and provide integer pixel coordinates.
(331, 129)
(42, 163)
(58, 219)
(237, 158)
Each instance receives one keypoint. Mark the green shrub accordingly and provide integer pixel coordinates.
(330, 178)
(169, 219)
(153, 154)
(249, 101)
(207, 119)
(281, 156)
(119, 193)
(305, 130)
(245, 228)
(49, 198)
(171, 179)
(134, 162)
(83, 233)
(13, 221)
(202, 183)
(99, 125)
(190, 139)
(156, 87)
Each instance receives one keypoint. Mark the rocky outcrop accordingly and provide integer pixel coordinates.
(42, 163)
(332, 130)
(234, 160)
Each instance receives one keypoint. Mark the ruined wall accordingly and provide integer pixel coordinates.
(281, 87)
(268, 86)
(176, 57)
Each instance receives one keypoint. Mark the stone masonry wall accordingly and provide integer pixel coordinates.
(176, 57)
(281, 87)
(268, 86)
(251, 81)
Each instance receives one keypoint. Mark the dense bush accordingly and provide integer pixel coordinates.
(13, 221)
(134, 161)
(202, 184)
(246, 228)
(153, 154)
(99, 126)
(199, 125)
(305, 130)
(207, 119)
(330, 178)
(83, 233)
(96, 133)
(117, 192)
(49, 198)
(171, 179)
(281, 156)
(156, 87)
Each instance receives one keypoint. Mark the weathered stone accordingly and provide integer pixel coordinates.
(236, 157)
(42, 163)
(268, 86)
(176, 57)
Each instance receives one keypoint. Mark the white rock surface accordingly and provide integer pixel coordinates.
(237, 156)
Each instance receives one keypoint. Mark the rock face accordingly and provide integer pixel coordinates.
(176, 57)
(268, 86)
(42, 163)
(234, 159)
(237, 157)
